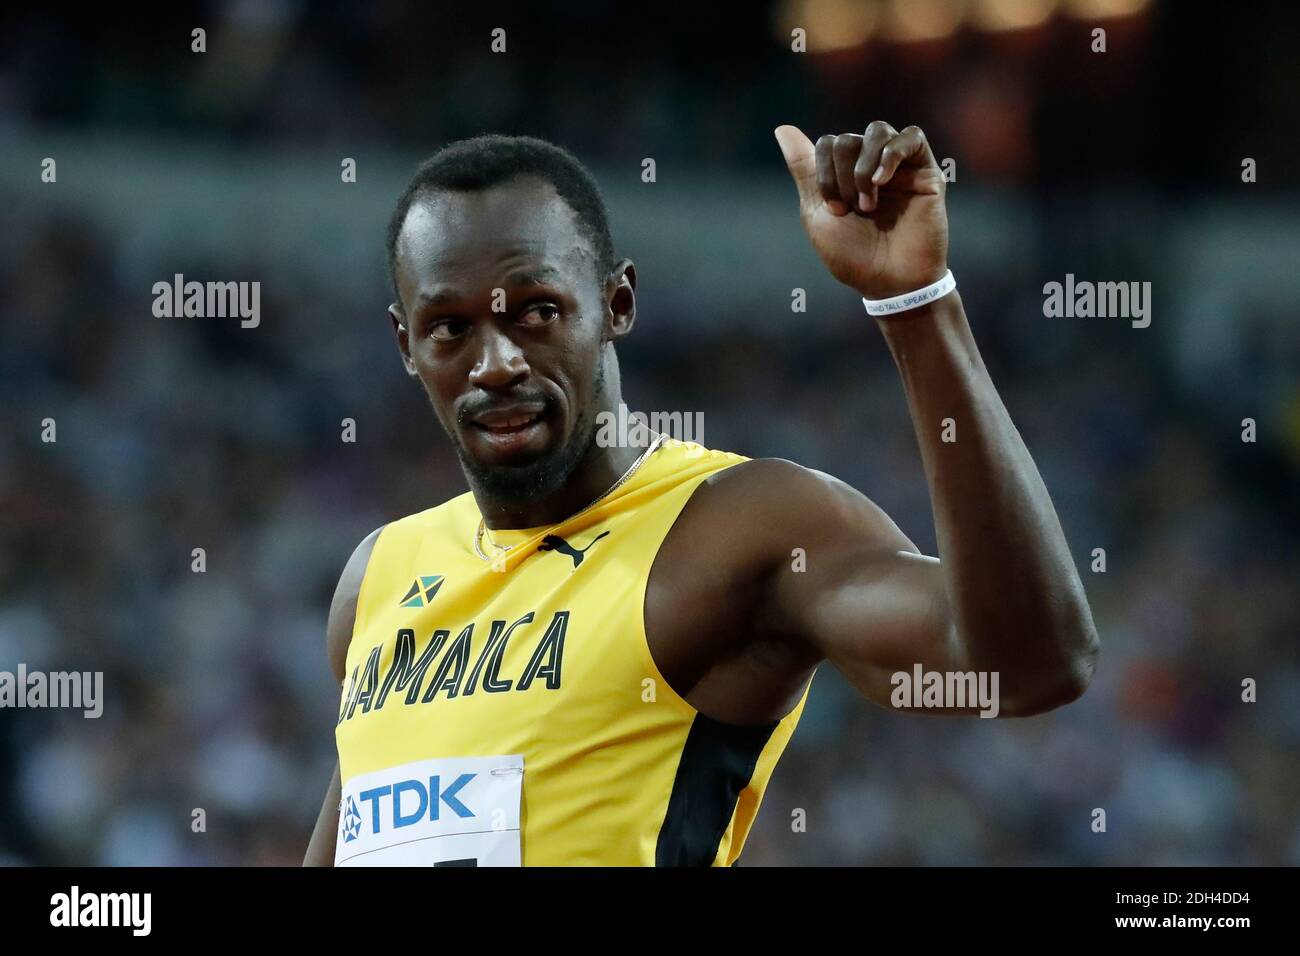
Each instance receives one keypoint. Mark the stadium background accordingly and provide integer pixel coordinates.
(175, 434)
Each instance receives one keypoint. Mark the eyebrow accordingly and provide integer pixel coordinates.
(537, 275)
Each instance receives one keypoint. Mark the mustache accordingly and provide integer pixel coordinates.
(477, 406)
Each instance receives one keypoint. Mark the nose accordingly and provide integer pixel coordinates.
(500, 362)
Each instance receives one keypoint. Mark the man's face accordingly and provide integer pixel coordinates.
(505, 322)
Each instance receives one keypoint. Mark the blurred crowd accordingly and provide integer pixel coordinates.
(174, 436)
(216, 741)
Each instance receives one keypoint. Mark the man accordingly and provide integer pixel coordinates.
(598, 653)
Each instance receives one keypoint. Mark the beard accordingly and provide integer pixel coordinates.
(515, 485)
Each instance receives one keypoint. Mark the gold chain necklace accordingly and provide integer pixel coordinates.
(482, 524)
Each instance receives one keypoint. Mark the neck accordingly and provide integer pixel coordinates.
(595, 474)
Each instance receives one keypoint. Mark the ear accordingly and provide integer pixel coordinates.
(620, 293)
(403, 338)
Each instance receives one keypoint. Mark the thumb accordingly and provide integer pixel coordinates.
(800, 159)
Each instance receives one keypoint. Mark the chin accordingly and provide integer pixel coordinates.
(522, 476)
(526, 477)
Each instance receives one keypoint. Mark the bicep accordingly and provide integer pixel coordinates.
(872, 613)
(863, 597)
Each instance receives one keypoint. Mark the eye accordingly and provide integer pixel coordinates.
(539, 314)
(444, 330)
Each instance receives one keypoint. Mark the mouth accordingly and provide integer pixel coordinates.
(512, 431)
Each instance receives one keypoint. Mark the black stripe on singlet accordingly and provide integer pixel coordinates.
(717, 763)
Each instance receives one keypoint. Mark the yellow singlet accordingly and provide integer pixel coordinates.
(460, 674)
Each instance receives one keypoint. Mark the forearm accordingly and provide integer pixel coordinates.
(1017, 603)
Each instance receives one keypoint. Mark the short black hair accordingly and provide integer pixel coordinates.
(472, 165)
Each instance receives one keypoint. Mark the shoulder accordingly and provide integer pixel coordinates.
(343, 607)
(763, 488)
(444, 517)
(764, 506)
(759, 476)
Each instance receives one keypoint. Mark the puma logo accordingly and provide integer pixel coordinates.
(553, 542)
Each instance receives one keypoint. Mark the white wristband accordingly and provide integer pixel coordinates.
(912, 300)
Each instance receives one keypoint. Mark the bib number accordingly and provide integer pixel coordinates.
(454, 811)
